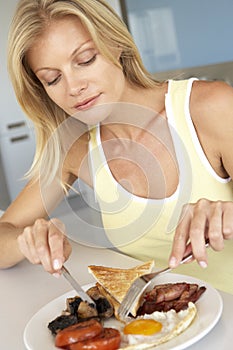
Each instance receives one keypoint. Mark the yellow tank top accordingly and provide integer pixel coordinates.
(144, 228)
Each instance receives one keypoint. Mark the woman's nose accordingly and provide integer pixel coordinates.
(76, 85)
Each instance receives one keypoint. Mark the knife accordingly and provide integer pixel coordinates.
(81, 293)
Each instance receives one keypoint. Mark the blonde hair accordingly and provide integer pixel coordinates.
(107, 31)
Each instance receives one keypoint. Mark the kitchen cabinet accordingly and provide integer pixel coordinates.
(180, 34)
(17, 145)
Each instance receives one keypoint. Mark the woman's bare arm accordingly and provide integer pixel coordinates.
(212, 114)
(25, 232)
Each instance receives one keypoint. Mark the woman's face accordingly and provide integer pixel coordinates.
(74, 74)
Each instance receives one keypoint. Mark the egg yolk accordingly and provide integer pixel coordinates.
(143, 327)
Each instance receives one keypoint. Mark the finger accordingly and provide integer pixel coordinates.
(67, 248)
(227, 222)
(56, 240)
(41, 228)
(181, 237)
(215, 227)
(188, 251)
(198, 230)
(29, 237)
(27, 245)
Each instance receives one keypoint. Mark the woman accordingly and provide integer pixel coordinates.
(148, 149)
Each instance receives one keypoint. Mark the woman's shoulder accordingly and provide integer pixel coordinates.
(210, 101)
(211, 109)
(211, 95)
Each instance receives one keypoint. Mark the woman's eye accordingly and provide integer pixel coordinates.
(89, 61)
(54, 81)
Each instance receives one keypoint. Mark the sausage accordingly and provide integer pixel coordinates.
(78, 332)
(109, 339)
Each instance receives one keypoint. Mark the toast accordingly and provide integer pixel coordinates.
(115, 282)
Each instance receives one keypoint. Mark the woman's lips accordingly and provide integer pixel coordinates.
(86, 103)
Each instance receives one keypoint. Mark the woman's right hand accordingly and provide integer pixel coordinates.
(45, 243)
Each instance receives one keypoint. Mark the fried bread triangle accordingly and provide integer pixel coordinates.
(116, 281)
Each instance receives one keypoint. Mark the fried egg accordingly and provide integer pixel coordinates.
(157, 328)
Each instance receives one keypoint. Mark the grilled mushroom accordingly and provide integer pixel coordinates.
(104, 307)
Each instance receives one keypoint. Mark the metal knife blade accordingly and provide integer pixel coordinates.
(83, 295)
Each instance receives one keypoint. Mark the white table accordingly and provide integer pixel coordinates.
(25, 288)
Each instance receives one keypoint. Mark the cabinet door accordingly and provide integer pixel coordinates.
(17, 152)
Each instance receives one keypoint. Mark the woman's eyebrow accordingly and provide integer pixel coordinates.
(72, 55)
(79, 47)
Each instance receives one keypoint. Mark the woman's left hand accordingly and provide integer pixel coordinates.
(199, 221)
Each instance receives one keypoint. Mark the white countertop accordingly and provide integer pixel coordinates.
(25, 288)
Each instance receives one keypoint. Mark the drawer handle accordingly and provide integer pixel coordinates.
(16, 125)
(19, 138)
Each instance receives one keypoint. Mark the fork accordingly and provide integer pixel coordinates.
(140, 284)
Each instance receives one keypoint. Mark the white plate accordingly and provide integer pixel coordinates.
(37, 336)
